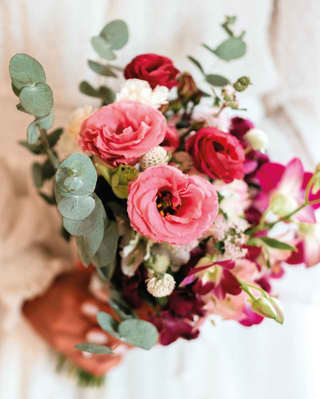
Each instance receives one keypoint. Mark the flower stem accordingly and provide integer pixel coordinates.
(44, 139)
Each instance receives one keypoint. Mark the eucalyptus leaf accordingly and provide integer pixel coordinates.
(139, 333)
(273, 243)
(32, 133)
(107, 95)
(116, 33)
(37, 174)
(101, 69)
(217, 80)
(48, 171)
(123, 312)
(108, 248)
(76, 175)
(87, 225)
(37, 99)
(25, 70)
(76, 208)
(89, 244)
(87, 89)
(49, 200)
(102, 48)
(94, 348)
(196, 63)
(230, 49)
(108, 323)
(46, 122)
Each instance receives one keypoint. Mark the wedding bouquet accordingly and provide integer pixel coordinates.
(173, 204)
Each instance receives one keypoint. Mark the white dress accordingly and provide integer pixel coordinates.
(227, 361)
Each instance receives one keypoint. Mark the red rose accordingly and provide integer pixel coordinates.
(153, 68)
(218, 154)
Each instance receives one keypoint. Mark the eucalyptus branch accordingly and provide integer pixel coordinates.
(44, 140)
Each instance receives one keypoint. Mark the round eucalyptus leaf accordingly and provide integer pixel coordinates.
(37, 99)
(46, 122)
(139, 333)
(116, 33)
(108, 323)
(25, 70)
(108, 249)
(76, 208)
(32, 133)
(76, 175)
(217, 80)
(89, 224)
(102, 48)
(94, 348)
(231, 49)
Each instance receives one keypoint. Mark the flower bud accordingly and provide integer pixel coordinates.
(159, 260)
(268, 307)
(229, 93)
(160, 286)
(257, 139)
(156, 156)
(242, 83)
(187, 87)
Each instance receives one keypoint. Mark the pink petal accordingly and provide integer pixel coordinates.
(270, 175)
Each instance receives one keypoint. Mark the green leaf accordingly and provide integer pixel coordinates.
(217, 80)
(108, 248)
(32, 133)
(196, 63)
(123, 312)
(139, 333)
(87, 89)
(76, 176)
(48, 171)
(108, 323)
(37, 99)
(107, 95)
(89, 224)
(230, 49)
(37, 174)
(102, 48)
(46, 122)
(49, 200)
(76, 208)
(25, 70)
(89, 244)
(94, 348)
(54, 137)
(101, 69)
(273, 243)
(116, 33)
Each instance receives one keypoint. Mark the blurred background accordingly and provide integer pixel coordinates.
(283, 62)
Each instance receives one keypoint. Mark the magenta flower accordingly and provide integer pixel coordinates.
(282, 190)
(250, 317)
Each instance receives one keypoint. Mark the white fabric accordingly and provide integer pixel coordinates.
(228, 361)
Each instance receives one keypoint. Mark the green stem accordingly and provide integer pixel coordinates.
(44, 139)
(308, 188)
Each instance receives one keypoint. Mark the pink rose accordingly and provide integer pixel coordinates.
(172, 140)
(166, 205)
(122, 132)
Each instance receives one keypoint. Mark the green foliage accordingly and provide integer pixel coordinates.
(94, 348)
(37, 99)
(103, 92)
(100, 69)
(116, 33)
(273, 243)
(196, 63)
(37, 174)
(76, 207)
(106, 254)
(134, 331)
(32, 133)
(108, 323)
(139, 333)
(217, 80)
(102, 48)
(24, 71)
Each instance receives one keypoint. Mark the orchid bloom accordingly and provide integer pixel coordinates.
(283, 190)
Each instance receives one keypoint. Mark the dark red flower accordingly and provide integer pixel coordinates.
(239, 127)
(171, 328)
(154, 68)
(217, 154)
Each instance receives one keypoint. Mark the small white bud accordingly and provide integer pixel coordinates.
(156, 156)
(257, 139)
(161, 286)
(229, 91)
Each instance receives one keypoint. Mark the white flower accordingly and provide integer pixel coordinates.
(257, 139)
(132, 253)
(68, 142)
(140, 91)
(207, 114)
(156, 156)
(161, 286)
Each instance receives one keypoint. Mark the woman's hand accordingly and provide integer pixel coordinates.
(66, 315)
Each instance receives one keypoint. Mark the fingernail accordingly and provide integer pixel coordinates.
(120, 350)
(87, 354)
(97, 337)
(89, 309)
